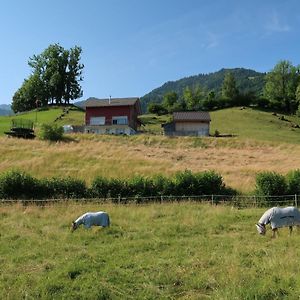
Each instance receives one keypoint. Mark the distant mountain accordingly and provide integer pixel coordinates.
(80, 104)
(5, 110)
(247, 80)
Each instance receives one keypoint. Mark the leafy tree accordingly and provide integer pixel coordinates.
(229, 90)
(210, 102)
(193, 98)
(171, 102)
(55, 78)
(298, 93)
(281, 85)
(26, 96)
(156, 108)
(298, 98)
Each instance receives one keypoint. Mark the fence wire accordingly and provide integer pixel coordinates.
(239, 201)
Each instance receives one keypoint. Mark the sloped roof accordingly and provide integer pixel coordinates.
(191, 116)
(95, 102)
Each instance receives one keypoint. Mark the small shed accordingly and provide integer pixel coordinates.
(185, 123)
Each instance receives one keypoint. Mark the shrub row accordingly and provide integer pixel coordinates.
(274, 184)
(20, 185)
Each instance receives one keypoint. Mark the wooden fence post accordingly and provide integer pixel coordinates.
(296, 204)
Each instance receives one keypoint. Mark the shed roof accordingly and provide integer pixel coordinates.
(95, 102)
(191, 116)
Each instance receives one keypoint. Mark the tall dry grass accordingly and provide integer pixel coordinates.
(88, 156)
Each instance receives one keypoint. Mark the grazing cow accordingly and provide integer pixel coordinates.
(89, 219)
(279, 217)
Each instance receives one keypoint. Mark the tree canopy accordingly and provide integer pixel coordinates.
(55, 79)
(281, 85)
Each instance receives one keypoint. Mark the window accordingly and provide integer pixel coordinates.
(120, 120)
(97, 121)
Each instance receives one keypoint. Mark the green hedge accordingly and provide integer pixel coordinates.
(293, 182)
(272, 186)
(19, 185)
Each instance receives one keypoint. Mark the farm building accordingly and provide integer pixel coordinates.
(195, 123)
(112, 116)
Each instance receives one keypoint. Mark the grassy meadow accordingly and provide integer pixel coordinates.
(74, 117)
(262, 142)
(87, 156)
(158, 251)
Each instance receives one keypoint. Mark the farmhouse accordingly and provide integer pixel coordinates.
(112, 116)
(195, 123)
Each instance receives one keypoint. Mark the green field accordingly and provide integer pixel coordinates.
(244, 123)
(263, 142)
(75, 117)
(159, 251)
(256, 124)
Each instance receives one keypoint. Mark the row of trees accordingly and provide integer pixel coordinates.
(281, 92)
(55, 79)
(200, 99)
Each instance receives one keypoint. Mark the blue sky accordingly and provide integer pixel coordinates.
(133, 46)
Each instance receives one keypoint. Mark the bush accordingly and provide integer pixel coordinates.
(156, 108)
(293, 182)
(162, 186)
(203, 183)
(51, 132)
(141, 187)
(18, 185)
(271, 184)
(63, 188)
(102, 187)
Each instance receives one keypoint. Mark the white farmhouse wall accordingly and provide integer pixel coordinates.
(197, 127)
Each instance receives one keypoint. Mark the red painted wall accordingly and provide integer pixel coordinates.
(112, 111)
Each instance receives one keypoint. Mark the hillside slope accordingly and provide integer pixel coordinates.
(248, 123)
(263, 142)
(247, 80)
(75, 116)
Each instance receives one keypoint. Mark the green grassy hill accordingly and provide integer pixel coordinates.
(75, 116)
(256, 124)
(244, 123)
(263, 142)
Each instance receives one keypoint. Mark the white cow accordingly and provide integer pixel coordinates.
(89, 219)
(279, 217)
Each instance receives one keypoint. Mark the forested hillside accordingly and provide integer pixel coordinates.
(246, 80)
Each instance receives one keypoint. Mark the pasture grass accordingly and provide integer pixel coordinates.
(256, 124)
(88, 156)
(74, 117)
(263, 142)
(157, 251)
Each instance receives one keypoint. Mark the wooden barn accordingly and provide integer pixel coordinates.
(194, 123)
(112, 115)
